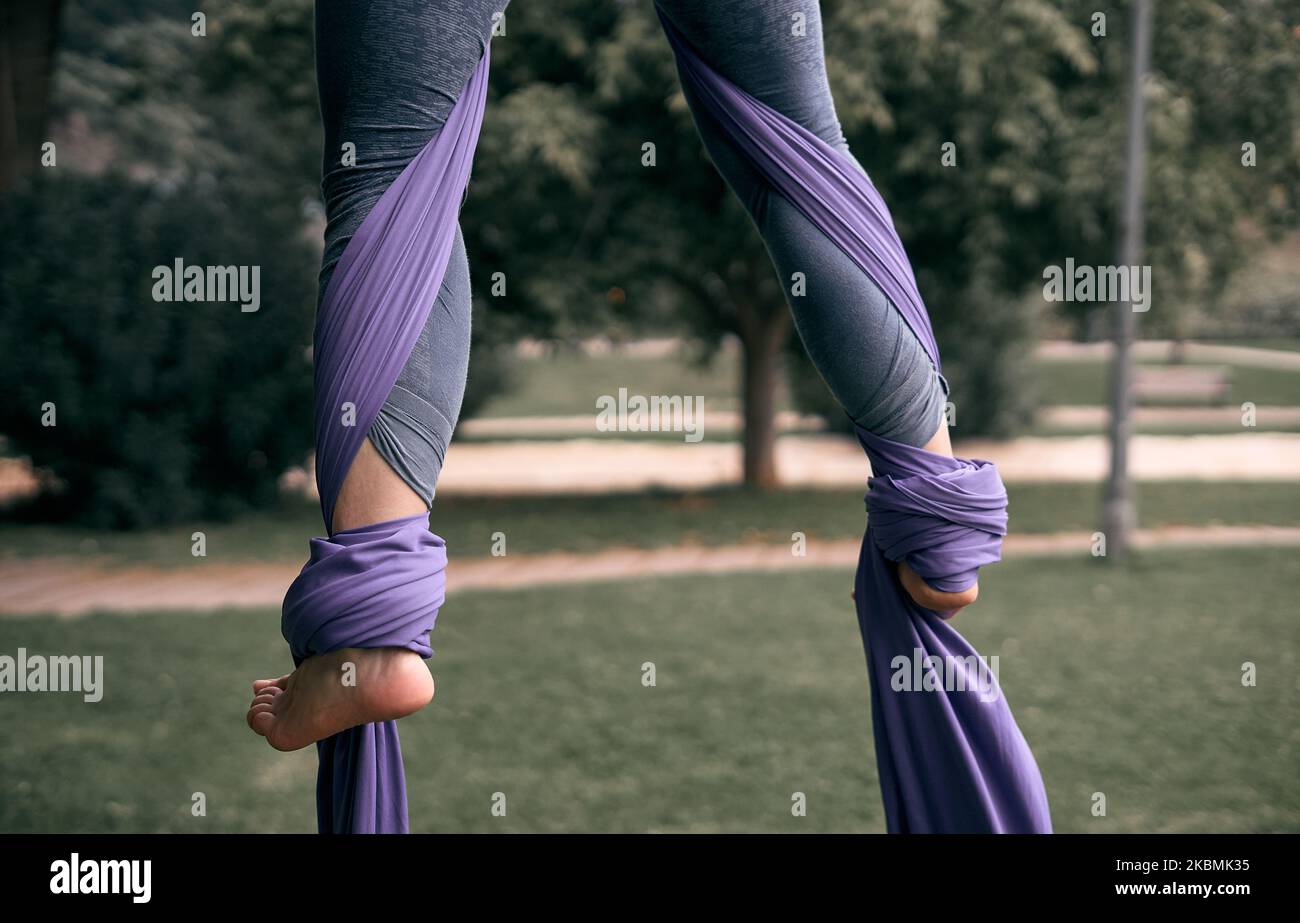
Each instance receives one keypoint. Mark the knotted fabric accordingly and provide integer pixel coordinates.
(379, 585)
(950, 756)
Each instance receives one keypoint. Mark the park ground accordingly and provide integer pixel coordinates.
(1126, 680)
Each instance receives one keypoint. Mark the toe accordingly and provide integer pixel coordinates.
(266, 697)
(262, 722)
(263, 704)
(255, 714)
(261, 684)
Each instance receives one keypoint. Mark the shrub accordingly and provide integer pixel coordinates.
(163, 410)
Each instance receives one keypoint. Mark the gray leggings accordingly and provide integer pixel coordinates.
(389, 72)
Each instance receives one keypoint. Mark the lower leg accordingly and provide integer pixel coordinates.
(940, 443)
(378, 63)
(869, 358)
(373, 492)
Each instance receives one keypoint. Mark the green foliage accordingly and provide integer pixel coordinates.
(220, 136)
(164, 411)
(688, 251)
(676, 240)
(203, 148)
(224, 130)
(1035, 104)
(537, 205)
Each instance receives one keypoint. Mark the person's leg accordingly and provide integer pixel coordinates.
(389, 73)
(396, 470)
(865, 352)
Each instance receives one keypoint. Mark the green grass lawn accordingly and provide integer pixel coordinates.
(651, 520)
(1124, 681)
(570, 382)
(1086, 383)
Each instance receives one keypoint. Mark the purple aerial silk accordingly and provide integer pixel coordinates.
(950, 756)
(379, 585)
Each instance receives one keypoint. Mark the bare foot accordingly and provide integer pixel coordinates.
(333, 692)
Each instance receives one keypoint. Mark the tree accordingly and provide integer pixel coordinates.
(204, 147)
(571, 232)
(27, 43)
(160, 411)
(907, 80)
(1033, 101)
(677, 240)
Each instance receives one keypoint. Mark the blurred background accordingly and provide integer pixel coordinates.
(156, 493)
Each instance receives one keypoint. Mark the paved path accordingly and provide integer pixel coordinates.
(610, 465)
(1091, 418)
(729, 422)
(1063, 350)
(71, 587)
(1082, 416)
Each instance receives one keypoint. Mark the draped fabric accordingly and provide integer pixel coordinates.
(379, 585)
(950, 756)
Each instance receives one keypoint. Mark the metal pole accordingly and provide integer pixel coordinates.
(1119, 515)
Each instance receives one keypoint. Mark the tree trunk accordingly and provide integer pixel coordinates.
(763, 335)
(27, 44)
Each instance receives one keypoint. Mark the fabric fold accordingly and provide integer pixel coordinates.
(950, 755)
(944, 516)
(379, 585)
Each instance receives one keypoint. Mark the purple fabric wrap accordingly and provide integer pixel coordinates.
(379, 585)
(950, 756)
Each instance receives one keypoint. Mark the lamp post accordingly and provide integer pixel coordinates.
(1119, 513)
